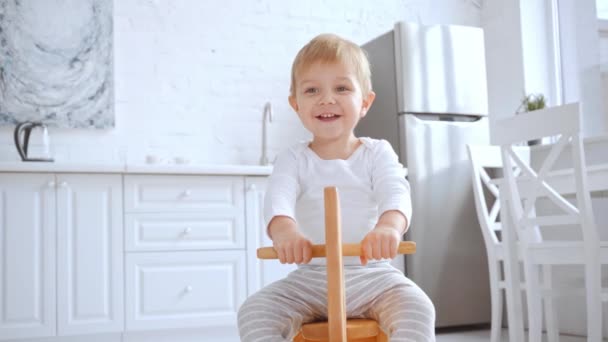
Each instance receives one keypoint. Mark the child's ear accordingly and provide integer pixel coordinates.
(367, 103)
(293, 103)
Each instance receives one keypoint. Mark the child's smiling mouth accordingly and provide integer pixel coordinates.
(328, 117)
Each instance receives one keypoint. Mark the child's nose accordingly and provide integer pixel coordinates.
(327, 97)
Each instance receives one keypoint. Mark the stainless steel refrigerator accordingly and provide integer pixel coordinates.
(431, 100)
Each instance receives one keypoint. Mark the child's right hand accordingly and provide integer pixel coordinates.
(290, 245)
(293, 249)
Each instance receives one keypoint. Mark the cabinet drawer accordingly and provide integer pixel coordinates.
(206, 229)
(183, 193)
(184, 289)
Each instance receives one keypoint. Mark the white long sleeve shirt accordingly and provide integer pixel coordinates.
(370, 182)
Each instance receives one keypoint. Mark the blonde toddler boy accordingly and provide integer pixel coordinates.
(331, 91)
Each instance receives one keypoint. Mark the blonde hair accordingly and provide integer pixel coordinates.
(330, 48)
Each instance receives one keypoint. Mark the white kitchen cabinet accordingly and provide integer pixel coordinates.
(185, 265)
(262, 272)
(27, 249)
(62, 237)
(170, 213)
(186, 256)
(184, 289)
(89, 254)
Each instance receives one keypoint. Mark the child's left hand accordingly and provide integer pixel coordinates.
(380, 243)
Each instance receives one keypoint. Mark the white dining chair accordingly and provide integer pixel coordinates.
(486, 167)
(532, 186)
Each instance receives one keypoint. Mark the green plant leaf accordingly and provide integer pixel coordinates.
(531, 102)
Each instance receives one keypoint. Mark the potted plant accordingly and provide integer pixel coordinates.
(532, 102)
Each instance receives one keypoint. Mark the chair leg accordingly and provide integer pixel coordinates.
(534, 299)
(496, 296)
(594, 302)
(497, 307)
(550, 313)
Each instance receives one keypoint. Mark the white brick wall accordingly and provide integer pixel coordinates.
(192, 76)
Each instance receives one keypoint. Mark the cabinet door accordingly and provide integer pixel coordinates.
(261, 272)
(184, 289)
(27, 250)
(89, 254)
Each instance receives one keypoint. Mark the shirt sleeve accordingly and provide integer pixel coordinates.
(391, 189)
(283, 188)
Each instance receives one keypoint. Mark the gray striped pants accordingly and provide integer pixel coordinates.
(378, 291)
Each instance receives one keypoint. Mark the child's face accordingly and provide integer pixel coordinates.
(329, 101)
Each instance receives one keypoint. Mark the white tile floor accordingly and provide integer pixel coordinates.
(484, 335)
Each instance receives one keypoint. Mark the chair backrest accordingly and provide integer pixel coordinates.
(336, 305)
(486, 167)
(535, 182)
(484, 160)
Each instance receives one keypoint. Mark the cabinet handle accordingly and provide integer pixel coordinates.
(63, 184)
(187, 231)
(252, 187)
(50, 184)
(188, 289)
(187, 193)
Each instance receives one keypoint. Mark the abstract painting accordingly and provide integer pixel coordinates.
(56, 62)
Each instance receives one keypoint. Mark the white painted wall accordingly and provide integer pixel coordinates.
(538, 48)
(581, 60)
(520, 54)
(501, 21)
(192, 77)
(603, 26)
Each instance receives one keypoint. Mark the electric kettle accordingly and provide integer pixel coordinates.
(32, 141)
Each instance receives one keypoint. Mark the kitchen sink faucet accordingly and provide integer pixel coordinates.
(267, 117)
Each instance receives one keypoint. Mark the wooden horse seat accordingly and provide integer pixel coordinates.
(362, 330)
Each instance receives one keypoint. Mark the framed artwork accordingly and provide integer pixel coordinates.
(56, 62)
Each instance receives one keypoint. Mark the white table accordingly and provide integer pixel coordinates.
(596, 153)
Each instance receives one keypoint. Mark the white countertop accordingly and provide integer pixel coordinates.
(208, 169)
(188, 169)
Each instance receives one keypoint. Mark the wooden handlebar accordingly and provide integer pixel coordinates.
(348, 249)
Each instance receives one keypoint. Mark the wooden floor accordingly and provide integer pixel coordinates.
(484, 335)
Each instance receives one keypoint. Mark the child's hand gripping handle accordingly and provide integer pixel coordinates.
(348, 249)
